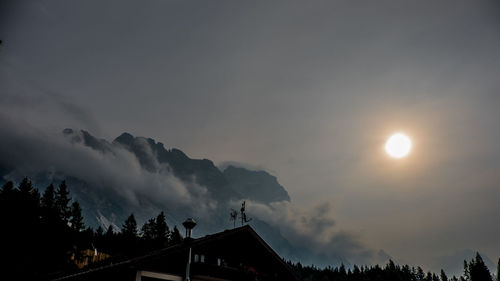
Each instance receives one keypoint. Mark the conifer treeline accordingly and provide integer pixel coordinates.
(474, 270)
(45, 234)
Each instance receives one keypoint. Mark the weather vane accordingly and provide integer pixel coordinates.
(244, 218)
(234, 215)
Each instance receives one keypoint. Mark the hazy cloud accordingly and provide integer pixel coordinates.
(314, 229)
(30, 150)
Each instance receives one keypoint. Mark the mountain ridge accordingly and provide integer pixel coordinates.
(155, 179)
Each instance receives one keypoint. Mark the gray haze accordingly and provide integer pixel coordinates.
(309, 90)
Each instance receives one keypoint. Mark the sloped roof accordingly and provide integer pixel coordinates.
(194, 243)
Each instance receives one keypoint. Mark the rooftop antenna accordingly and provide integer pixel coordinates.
(189, 224)
(234, 216)
(244, 218)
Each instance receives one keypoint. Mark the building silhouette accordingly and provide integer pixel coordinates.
(236, 254)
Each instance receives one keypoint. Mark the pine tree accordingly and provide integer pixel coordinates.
(420, 274)
(50, 213)
(109, 232)
(7, 200)
(129, 228)
(390, 266)
(128, 238)
(7, 189)
(26, 186)
(443, 276)
(29, 196)
(8, 215)
(478, 271)
(162, 230)
(175, 237)
(28, 205)
(109, 240)
(98, 239)
(148, 230)
(99, 232)
(342, 270)
(76, 219)
(23, 246)
(62, 201)
(48, 197)
(77, 227)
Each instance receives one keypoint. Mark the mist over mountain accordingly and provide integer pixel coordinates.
(153, 155)
(194, 174)
(259, 186)
(139, 175)
(233, 183)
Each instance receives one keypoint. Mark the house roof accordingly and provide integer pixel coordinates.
(194, 243)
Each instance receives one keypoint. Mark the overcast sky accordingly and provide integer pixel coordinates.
(307, 90)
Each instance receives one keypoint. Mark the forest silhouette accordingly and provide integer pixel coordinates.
(44, 235)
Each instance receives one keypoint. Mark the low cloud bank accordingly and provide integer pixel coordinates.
(29, 151)
(315, 229)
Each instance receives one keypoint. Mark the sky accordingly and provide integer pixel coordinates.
(307, 90)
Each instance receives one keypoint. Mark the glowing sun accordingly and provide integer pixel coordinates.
(398, 145)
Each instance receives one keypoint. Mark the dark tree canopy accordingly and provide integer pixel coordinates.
(148, 230)
(76, 220)
(129, 228)
(110, 232)
(443, 276)
(476, 270)
(45, 234)
(162, 230)
(62, 201)
(175, 237)
(48, 197)
(25, 187)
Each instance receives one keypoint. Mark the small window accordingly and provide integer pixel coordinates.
(219, 261)
(202, 258)
(196, 258)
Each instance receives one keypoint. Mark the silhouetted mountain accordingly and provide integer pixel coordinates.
(106, 202)
(98, 144)
(255, 185)
(153, 155)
